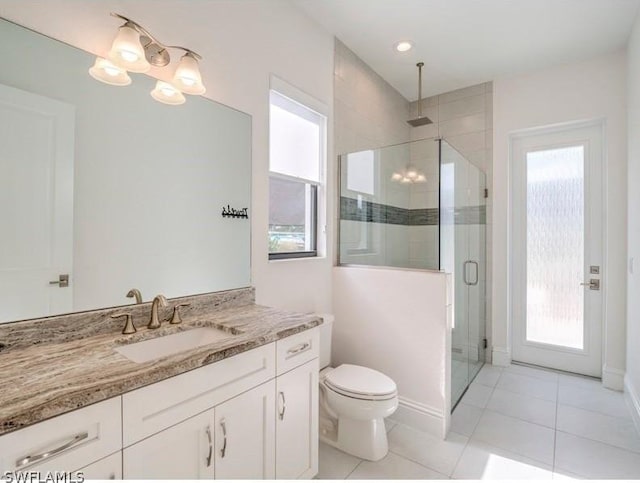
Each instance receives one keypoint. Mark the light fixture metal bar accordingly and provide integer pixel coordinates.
(152, 39)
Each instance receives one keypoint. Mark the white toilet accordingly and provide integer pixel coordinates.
(354, 401)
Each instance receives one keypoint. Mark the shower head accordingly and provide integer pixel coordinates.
(420, 120)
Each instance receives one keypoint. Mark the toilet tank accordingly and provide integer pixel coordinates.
(325, 339)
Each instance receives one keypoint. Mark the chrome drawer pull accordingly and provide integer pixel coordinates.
(27, 460)
(208, 431)
(299, 348)
(284, 406)
(223, 450)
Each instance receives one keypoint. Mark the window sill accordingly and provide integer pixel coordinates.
(298, 259)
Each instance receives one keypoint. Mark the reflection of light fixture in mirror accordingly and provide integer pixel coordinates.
(134, 49)
(187, 77)
(409, 175)
(104, 71)
(167, 94)
(127, 51)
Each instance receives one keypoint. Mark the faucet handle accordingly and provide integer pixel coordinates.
(176, 319)
(129, 328)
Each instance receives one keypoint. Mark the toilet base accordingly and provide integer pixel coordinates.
(364, 439)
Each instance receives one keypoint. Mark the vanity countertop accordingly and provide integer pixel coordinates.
(49, 378)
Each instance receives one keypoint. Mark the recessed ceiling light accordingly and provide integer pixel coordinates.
(403, 46)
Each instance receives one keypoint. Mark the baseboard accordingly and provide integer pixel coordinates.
(422, 417)
(612, 378)
(501, 357)
(633, 401)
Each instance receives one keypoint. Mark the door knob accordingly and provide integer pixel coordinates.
(593, 284)
(63, 281)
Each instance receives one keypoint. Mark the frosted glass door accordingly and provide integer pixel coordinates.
(555, 247)
(557, 251)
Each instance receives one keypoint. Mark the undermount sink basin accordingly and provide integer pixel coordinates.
(168, 345)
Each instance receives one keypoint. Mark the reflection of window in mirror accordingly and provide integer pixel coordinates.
(297, 138)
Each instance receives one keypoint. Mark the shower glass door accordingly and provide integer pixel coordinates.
(463, 231)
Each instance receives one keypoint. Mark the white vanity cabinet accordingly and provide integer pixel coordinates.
(297, 406)
(184, 451)
(109, 468)
(244, 441)
(250, 416)
(67, 442)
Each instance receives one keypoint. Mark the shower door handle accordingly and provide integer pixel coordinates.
(464, 272)
(475, 282)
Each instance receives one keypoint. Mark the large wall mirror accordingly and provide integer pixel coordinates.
(110, 187)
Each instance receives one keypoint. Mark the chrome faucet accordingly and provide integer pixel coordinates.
(134, 292)
(154, 323)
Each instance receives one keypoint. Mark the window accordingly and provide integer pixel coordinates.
(296, 153)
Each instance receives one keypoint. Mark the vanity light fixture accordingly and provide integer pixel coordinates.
(127, 51)
(167, 94)
(135, 50)
(105, 71)
(187, 77)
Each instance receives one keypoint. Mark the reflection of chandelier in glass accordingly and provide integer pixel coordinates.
(409, 175)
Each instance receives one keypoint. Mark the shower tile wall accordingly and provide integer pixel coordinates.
(464, 117)
(368, 114)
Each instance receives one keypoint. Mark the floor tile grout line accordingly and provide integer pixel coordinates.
(599, 441)
(520, 419)
(484, 409)
(417, 463)
(595, 411)
(354, 469)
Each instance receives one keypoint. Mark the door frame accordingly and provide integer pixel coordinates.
(514, 269)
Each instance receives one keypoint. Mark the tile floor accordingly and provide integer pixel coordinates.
(513, 423)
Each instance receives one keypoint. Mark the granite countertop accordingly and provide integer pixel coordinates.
(49, 378)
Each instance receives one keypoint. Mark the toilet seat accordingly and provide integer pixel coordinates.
(359, 382)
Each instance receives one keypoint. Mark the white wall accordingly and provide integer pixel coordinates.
(243, 43)
(398, 322)
(632, 380)
(595, 89)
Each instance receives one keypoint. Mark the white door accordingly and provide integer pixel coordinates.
(184, 451)
(245, 435)
(297, 423)
(558, 275)
(36, 204)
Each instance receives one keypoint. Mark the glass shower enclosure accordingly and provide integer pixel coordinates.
(420, 205)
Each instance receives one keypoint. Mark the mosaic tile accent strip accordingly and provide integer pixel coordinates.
(371, 212)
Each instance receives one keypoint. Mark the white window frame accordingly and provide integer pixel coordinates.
(308, 103)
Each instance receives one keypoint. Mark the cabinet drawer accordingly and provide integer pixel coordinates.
(65, 443)
(151, 409)
(296, 350)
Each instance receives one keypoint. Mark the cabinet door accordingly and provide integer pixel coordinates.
(245, 435)
(183, 451)
(297, 422)
(109, 468)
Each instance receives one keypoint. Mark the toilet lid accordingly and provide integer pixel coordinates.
(360, 381)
